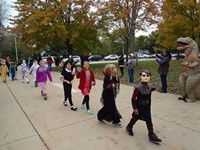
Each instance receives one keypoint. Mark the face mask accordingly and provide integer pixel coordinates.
(145, 77)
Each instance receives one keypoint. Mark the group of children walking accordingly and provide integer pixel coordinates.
(141, 98)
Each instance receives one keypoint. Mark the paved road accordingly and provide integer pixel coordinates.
(27, 122)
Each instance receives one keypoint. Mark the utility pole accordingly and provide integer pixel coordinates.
(16, 49)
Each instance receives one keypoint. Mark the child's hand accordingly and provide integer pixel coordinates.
(113, 85)
(73, 71)
(93, 83)
(136, 112)
(78, 69)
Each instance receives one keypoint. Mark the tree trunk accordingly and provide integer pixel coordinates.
(68, 22)
(69, 46)
(132, 39)
(126, 48)
(132, 26)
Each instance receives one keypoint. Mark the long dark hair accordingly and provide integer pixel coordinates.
(169, 55)
(66, 62)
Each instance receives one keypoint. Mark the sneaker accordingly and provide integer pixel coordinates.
(102, 122)
(65, 103)
(83, 107)
(36, 84)
(73, 108)
(118, 125)
(129, 131)
(161, 91)
(45, 96)
(89, 112)
(28, 82)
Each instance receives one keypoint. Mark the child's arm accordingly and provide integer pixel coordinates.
(62, 79)
(49, 75)
(74, 71)
(37, 72)
(107, 83)
(7, 69)
(93, 78)
(134, 101)
(78, 75)
(31, 69)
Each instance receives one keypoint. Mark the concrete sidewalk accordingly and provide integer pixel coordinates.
(27, 122)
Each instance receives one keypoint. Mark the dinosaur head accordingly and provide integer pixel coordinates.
(183, 43)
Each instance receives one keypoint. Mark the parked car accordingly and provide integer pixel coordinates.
(178, 56)
(75, 58)
(111, 57)
(146, 56)
(95, 58)
(152, 55)
(140, 56)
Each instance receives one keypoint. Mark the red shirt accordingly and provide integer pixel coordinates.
(82, 77)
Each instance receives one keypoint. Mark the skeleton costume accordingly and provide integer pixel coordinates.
(24, 72)
(141, 102)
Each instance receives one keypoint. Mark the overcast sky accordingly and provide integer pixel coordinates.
(12, 12)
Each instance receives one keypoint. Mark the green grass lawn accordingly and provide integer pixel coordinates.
(151, 65)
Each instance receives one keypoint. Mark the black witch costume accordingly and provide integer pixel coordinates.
(109, 110)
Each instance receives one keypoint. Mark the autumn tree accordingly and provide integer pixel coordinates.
(181, 18)
(56, 22)
(3, 34)
(128, 16)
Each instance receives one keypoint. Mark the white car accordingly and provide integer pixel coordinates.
(111, 57)
(140, 56)
(75, 58)
(146, 56)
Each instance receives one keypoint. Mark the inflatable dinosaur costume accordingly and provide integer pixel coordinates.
(190, 78)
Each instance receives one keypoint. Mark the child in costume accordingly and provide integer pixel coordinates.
(109, 110)
(33, 70)
(41, 77)
(16, 69)
(4, 70)
(12, 71)
(87, 80)
(24, 72)
(67, 77)
(141, 102)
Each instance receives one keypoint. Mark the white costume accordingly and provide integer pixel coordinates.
(24, 72)
(33, 69)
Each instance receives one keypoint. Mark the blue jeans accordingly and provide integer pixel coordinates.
(49, 66)
(131, 75)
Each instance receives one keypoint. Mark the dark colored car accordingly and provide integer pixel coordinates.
(95, 58)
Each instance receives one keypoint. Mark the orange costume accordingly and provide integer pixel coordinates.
(4, 70)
